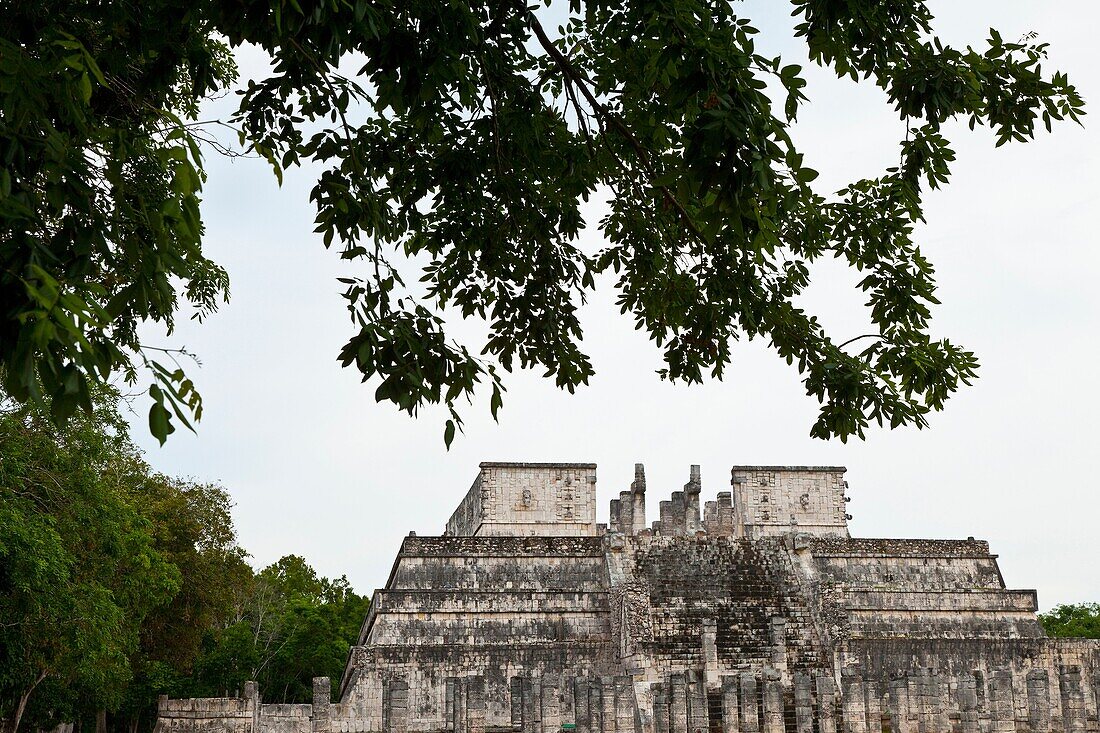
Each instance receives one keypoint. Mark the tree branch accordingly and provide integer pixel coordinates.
(857, 338)
(606, 116)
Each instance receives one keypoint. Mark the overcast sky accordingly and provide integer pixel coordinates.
(317, 468)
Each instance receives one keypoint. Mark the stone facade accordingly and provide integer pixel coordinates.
(753, 613)
(518, 499)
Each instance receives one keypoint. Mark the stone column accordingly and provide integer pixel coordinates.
(1002, 702)
(826, 704)
(252, 694)
(610, 718)
(1095, 696)
(725, 513)
(1038, 701)
(897, 703)
(750, 708)
(981, 689)
(1073, 699)
(773, 701)
(582, 716)
(777, 635)
(710, 653)
(968, 704)
(660, 708)
(803, 704)
(476, 705)
(550, 707)
(515, 686)
(710, 518)
(853, 702)
(940, 708)
(731, 713)
(692, 521)
(873, 706)
(679, 514)
(624, 704)
(667, 522)
(566, 702)
(595, 705)
(626, 512)
(637, 493)
(698, 715)
(918, 700)
(322, 700)
(449, 703)
(532, 706)
(461, 704)
(395, 706)
(678, 704)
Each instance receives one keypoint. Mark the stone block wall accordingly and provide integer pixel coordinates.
(891, 588)
(944, 564)
(765, 501)
(778, 500)
(214, 714)
(495, 607)
(466, 519)
(286, 718)
(746, 590)
(517, 499)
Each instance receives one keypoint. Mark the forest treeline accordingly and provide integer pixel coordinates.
(118, 583)
(1073, 620)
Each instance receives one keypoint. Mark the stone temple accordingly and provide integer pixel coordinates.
(754, 613)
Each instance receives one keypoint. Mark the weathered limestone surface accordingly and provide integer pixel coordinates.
(528, 499)
(752, 613)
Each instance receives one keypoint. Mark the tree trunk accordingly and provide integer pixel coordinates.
(101, 721)
(134, 721)
(22, 706)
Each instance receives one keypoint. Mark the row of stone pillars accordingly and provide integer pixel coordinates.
(920, 701)
(926, 701)
(604, 704)
(744, 703)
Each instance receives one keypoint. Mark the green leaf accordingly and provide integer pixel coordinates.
(85, 87)
(160, 422)
(805, 175)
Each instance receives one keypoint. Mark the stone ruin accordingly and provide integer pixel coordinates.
(754, 613)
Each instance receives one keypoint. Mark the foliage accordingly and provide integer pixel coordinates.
(291, 626)
(192, 527)
(79, 568)
(470, 138)
(99, 206)
(1080, 620)
(118, 584)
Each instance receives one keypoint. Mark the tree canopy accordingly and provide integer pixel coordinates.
(1078, 620)
(454, 164)
(79, 569)
(289, 626)
(118, 584)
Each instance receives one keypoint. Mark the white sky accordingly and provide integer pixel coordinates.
(317, 468)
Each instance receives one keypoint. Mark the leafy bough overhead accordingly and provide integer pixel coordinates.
(471, 137)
